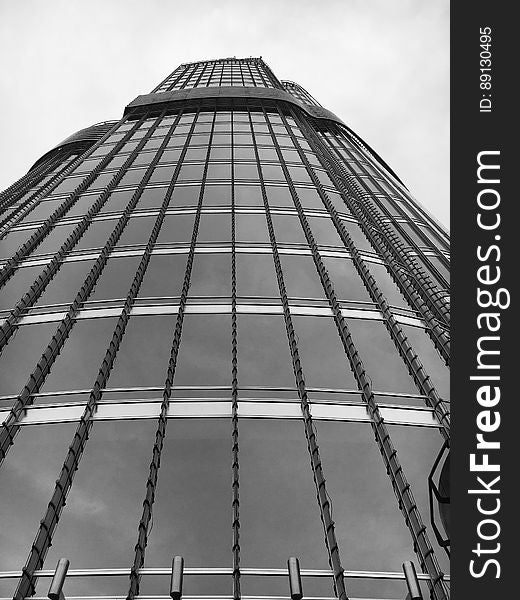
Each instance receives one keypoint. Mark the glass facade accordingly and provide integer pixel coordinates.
(224, 335)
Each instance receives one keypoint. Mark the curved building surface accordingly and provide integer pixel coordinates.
(224, 335)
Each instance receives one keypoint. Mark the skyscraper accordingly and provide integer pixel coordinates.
(224, 337)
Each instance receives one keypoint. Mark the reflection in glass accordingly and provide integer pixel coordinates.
(263, 352)
(142, 359)
(205, 351)
(19, 358)
(369, 527)
(79, 361)
(105, 502)
(116, 278)
(65, 285)
(384, 366)
(211, 275)
(347, 283)
(192, 508)
(27, 480)
(164, 276)
(279, 512)
(322, 355)
(255, 275)
(301, 277)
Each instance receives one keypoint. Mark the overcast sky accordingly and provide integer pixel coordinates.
(381, 66)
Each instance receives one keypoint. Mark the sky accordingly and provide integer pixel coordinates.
(382, 67)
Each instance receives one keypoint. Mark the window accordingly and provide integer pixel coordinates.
(79, 361)
(19, 358)
(251, 228)
(64, 286)
(142, 358)
(116, 278)
(176, 229)
(211, 275)
(264, 358)
(255, 275)
(348, 285)
(288, 229)
(164, 276)
(301, 277)
(205, 351)
(324, 362)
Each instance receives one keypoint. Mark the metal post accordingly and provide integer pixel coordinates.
(414, 591)
(295, 580)
(56, 589)
(176, 581)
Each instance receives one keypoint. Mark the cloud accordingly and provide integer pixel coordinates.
(381, 67)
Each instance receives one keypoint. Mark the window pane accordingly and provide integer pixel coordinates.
(18, 359)
(116, 278)
(142, 359)
(301, 277)
(205, 351)
(279, 512)
(248, 195)
(417, 448)
(214, 228)
(106, 500)
(263, 352)
(358, 237)
(322, 354)
(251, 228)
(65, 285)
(176, 229)
(324, 231)
(192, 508)
(27, 481)
(53, 242)
(151, 198)
(348, 285)
(433, 363)
(185, 195)
(384, 366)
(17, 285)
(79, 361)
(137, 231)
(164, 276)
(386, 285)
(288, 229)
(96, 235)
(117, 202)
(363, 501)
(255, 275)
(211, 275)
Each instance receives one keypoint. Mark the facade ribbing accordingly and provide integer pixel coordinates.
(224, 335)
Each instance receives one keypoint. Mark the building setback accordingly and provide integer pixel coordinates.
(224, 335)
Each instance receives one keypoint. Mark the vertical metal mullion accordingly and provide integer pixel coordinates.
(401, 486)
(408, 281)
(235, 483)
(14, 192)
(375, 227)
(50, 520)
(144, 522)
(418, 216)
(348, 343)
(23, 210)
(20, 186)
(50, 270)
(397, 227)
(8, 269)
(10, 426)
(312, 444)
(405, 349)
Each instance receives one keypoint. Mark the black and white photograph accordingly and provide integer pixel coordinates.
(225, 302)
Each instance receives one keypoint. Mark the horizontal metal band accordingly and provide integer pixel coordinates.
(214, 308)
(161, 100)
(267, 409)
